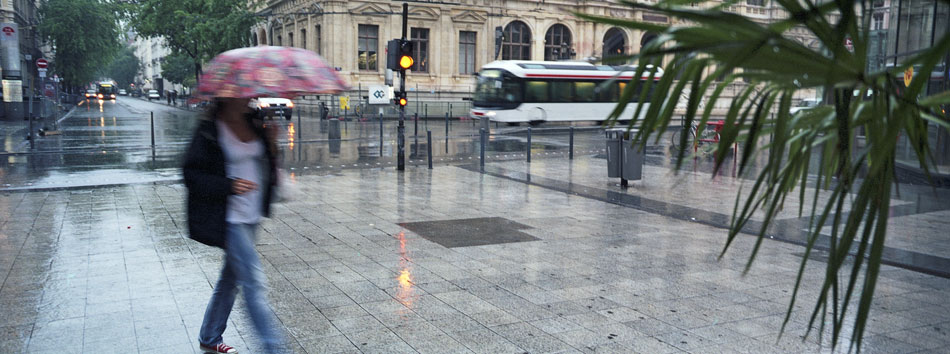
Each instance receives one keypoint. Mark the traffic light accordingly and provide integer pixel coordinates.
(405, 54)
(401, 99)
(392, 54)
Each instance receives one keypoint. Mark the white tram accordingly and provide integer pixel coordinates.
(514, 91)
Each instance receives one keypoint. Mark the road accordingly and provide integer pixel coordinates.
(111, 143)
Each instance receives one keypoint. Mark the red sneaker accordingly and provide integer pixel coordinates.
(220, 348)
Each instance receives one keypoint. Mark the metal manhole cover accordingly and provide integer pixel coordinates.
(470, 232)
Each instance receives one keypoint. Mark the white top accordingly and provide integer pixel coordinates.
(243, 160)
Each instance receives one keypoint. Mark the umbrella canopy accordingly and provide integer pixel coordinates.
(268, 71)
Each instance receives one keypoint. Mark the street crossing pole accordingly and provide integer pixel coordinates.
(401, 142)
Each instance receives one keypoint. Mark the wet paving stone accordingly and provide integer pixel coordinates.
(421, 262)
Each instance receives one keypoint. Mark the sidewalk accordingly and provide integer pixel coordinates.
(13, 133)
(440, 261)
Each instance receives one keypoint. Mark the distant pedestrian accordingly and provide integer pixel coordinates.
(175, 97)
(230, 172)
(168, 97)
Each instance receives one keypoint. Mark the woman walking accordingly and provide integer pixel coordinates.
(230, 171)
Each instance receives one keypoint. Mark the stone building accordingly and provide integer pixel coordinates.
(21, 45)
(454, 39)
(152, 52)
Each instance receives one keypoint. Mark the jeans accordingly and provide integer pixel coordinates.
(241, 267)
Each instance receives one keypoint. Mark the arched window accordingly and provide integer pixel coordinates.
(262, 36)
(254, 39)
(557, 43)
(615, 43)
(516, 44)
(646, 39)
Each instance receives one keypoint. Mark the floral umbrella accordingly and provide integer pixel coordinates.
(268, 71)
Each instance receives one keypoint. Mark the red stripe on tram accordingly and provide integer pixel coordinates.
(549, 76)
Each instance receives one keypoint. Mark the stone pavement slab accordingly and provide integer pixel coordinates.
(90, 268)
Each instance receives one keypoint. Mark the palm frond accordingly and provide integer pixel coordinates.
(814, 148)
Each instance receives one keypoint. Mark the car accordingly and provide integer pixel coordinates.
(122, 92)
(807, 103)
(90, 94)
(272, 106)
(153, 95)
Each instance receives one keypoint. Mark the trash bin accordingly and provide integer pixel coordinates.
(623, 159)
(632, 156)
(614, 141)
(334, 131)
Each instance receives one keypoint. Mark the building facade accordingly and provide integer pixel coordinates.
(151, 52)
(453, 40)
(20, 47)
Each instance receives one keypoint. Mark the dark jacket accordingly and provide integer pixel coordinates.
(209, 187)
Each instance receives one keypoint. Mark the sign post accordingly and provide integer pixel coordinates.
(41, 66)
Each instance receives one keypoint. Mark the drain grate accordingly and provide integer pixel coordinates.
(470, 232)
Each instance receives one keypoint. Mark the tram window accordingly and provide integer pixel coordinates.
(605, 91)
(512, 91)
(561, 91)
(620, 87)
(584, 91)
(536, 91)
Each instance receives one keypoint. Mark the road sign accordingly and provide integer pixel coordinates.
(380, 94)
(42, 72)
(908, 76)
(8, 32)
(42, 63)
(345, 102)
(848, 44)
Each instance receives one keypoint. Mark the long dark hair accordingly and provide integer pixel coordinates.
(254, 119)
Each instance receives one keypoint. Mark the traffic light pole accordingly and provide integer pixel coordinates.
(401, 142)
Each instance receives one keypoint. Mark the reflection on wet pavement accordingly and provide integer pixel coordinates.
(602, 269)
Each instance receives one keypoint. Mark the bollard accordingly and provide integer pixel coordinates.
(380, 134)
(426, 115)
(152, 121)
(570, 153)
(446, 123)
(32, 142)
(528, 150)
(415, 135)
(483, 140)
(429, 146)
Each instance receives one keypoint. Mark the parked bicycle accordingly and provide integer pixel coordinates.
(709, 135)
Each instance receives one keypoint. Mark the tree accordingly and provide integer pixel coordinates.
(177, 68)
(199, 29)
(124, 67)
(84, 35)
(776, 67)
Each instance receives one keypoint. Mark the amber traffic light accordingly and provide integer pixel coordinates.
(405, 54)
(403, 102)
(405, 62)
